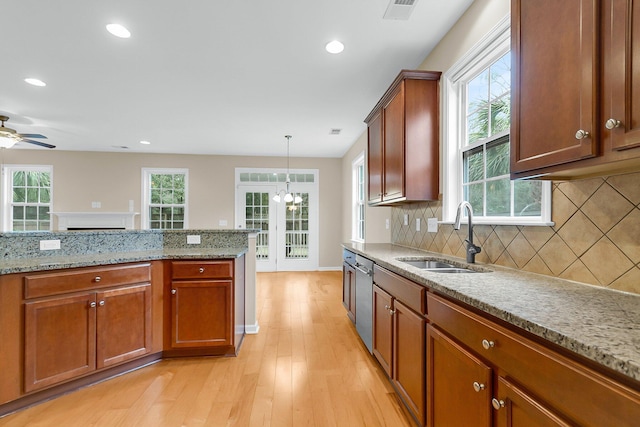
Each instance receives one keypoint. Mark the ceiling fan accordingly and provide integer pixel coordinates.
(8, 136)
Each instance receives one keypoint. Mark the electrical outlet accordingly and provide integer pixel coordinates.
(193, 239)
(432, 225)
(48, 245)
(96, 204)
(406, 219)
(223, 223)
(386, 223)
(417, 224)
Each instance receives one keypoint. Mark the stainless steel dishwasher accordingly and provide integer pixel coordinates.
(364, 300)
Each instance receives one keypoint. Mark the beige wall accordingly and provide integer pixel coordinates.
(115, 178)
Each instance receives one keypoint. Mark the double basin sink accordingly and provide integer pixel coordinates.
(437, 266)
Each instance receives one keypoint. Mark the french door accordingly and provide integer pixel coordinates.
(288, 240)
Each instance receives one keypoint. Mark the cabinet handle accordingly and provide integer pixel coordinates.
(387, 307)
(173, 291)
(201, 270)
(486, 344)
(478, 387)
(582, 134)
(101, 303)
(92, 304)
(97, 279)
(612, 124)
(497, 404)
(392, 312)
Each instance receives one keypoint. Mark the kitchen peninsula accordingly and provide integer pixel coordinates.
(109, 301)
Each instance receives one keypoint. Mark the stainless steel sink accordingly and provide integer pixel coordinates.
(436, 266)
(425, 263)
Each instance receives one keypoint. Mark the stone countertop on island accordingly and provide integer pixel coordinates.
(599, 324)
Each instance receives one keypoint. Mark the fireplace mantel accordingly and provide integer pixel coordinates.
(95, 220)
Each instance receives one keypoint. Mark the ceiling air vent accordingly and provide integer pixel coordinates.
(399, 9)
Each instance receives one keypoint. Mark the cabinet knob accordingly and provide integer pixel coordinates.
(387, 307)
(392, 312)
(486, 344)
(582, 134)
(478, 387)
(612, 124)
(92, 304)
(497, 404)
(97, 279)
(101, 303)
(173, 291)
(201, 270)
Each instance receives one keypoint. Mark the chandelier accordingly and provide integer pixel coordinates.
(288, 196)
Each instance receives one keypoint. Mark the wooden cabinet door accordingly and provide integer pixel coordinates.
(383, 328)
(60, 339)
(201, 313)
(621, 75)
(124, 324)
(409, 331)
(459, 384)
(555, 69)
(375, 157)
(349, 290)
(393, 116)
(515, 408)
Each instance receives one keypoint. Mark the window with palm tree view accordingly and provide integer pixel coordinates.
(485, 155)
(31, 199)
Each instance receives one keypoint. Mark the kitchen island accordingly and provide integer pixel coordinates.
(107, 302)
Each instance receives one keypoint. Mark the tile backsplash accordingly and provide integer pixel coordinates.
(595, 239)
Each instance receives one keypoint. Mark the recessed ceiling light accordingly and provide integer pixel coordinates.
(334, 47)
(118, 31)
(145, 142)
(35, 82)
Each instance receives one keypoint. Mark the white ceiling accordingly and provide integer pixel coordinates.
(228, 77)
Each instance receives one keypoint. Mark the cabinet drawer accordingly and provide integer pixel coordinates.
(82, 279)
(410, 293)
(202, 269)
(584, 395)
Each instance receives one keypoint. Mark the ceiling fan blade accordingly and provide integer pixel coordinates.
(41, 144)
(32, 135)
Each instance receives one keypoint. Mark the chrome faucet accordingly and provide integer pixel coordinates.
(472, 249)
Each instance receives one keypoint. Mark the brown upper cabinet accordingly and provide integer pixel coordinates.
(576, 88)
(403, 140)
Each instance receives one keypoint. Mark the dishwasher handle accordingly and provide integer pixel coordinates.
(363, 270)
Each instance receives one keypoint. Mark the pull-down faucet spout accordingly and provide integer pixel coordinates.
(472, 249)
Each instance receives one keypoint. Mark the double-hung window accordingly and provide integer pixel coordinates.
(27, 197)
(358, 198)
(164, 198)
(477, 118)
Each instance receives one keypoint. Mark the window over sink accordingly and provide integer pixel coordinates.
(476, 127)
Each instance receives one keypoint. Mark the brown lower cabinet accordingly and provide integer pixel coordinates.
(482, 373)
(72, 326)
(206, 309)
(399, 337)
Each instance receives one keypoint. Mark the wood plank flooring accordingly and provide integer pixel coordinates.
(306, 367)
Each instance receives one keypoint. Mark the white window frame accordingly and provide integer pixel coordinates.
(7, 192)
(146, 193)
(488, 50)
(358, 203)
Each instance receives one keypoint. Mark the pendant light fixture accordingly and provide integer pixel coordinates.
(288, 196)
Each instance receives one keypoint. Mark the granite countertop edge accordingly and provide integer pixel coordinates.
(49, 263)
(591, 321)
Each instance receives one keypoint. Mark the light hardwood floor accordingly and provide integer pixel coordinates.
(306, 367)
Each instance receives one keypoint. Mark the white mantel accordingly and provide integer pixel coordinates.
(95, 220)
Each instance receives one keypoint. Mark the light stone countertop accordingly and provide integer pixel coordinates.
(600, 324)
(26, 265)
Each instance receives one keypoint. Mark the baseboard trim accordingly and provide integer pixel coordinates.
(252, 329)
